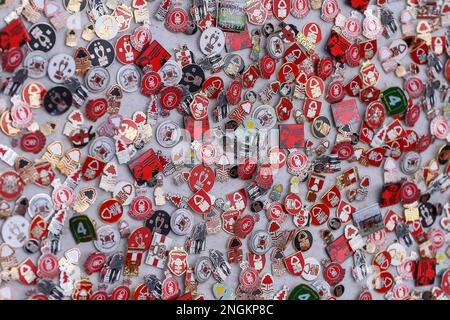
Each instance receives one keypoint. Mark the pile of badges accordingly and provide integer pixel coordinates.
(279, 149)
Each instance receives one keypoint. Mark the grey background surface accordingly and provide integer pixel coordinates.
(136, 102)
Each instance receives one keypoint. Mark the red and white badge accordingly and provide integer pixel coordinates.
(354, 86)
(313, 32)
(234, 92)
(120, 293)
(332, 198)
(333, 273)
(177, 263)
(294, 54)
(48, 266)
(319, 214)
(281, 9)
(96, 108)
(125, 52)
(311, 109)
(277, 157)
(256, 261)
(229, 218)
(267, 66)
(110, 211)
(200, 202)
(414, 87)
(345, 211)
(288, 72)
(314, 87)
(170, 97)
(382, 260)
(439, 127)
(383, 282)
(330, 10)
(151, 83)
(199, 106)
(375, 114)
(300, 8)
(244, 226)
(295, 263)
(335, 92)
(368, 49)
(353, 55)
(293, 204)
(238, 200)
(325, 68)
(390, 220)
(276, 212)
(141, 208)
(201, 177)
(213, 86)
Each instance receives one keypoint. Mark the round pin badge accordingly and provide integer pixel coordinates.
(159, 222)
(42, 37)
(293, 204)
(398, 253)
(151, 83)
(203, 269)
(61, 67)
(275, 46)
(321, 127)
(409, 192)
(141, 37)
(11, 185)
(233, 65)
(275, 211)
(106, 27)
(303, 240)
(125, 52)
(212, 41)
(193, 77)
(97, 79)
(171, 73)
(297, 163)
(260, 242)
(33, 94)
(102, 53)
(32, 142)
(108, 239)
(110, 211)
(141, 208)
(414, 87)
(375, 114)
(15, 231)
(36, 63)
(168, 134)
(333, 273)
(171, 97)
(103, 148)
(439, 127)
(410, 162)
(40, 204)
(181, 222)
(57, 100)
(129, 78)
(265, 117)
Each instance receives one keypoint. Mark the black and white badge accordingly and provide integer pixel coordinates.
(102, 53)
(43, 37)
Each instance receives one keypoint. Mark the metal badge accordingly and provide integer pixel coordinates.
(61, 67)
